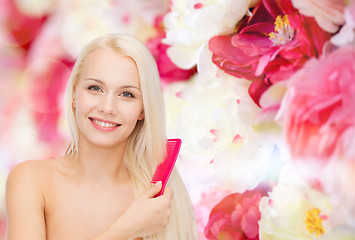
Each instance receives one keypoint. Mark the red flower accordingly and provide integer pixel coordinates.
(236, 216)
(168, 71)
(267, 54)
(44, 95)
(22, 28)
(318, 108)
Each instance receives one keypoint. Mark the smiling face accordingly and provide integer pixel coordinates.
(107, 98)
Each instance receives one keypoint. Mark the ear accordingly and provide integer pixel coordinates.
(141, 116)
(73, 104)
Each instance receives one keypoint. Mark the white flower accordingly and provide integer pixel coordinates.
(214, 117)
(294, 210)
(191, 23)
(339, 234)
(327, 13)
(37, 8)
(346, 34)
(338, 180)
(77, 22)
(3, 177)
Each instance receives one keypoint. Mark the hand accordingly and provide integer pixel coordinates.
(147, 214)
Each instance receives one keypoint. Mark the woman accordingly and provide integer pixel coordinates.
(100, 189)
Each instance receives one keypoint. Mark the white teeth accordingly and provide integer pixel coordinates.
(104, 124)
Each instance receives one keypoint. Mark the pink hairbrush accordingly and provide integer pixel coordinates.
(164, 169)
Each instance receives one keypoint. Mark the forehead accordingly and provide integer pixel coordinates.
(110, 67)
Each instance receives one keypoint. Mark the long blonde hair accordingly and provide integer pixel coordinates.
(146, 144)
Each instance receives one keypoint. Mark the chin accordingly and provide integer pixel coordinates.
(108, 144)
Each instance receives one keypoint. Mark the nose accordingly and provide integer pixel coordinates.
(108, 105)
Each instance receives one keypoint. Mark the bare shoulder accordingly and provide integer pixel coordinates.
(25, 202)
(30, 167)
(30, 172)
(28, 179)
(31, 178)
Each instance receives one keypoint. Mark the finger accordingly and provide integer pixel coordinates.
(151, 192)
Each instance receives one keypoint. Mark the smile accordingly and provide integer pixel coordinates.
(104, 124)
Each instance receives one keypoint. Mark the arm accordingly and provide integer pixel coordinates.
(145, 216)
(25, 203)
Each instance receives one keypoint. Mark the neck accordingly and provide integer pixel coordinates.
(98, 163)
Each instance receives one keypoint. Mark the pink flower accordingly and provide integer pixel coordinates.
(168, 71)
(203, 208)
(2, 228)
(22, 28)
(48, 79)
(269, 46)
(318, 108)
(45, 72)
(236, 216)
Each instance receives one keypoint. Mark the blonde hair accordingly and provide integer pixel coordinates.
(146, 145)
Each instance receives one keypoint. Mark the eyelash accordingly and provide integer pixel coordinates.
(131, 94)
(97, 88)
(93, 88)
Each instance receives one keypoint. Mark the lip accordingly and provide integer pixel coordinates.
(105, 129)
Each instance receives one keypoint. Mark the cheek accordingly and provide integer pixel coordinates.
(132, 111)
(82, 103)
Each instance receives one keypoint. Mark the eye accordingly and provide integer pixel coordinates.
(94, 88)
(127, 94)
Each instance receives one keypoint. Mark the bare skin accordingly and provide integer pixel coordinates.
(90, 197)
(47, 200)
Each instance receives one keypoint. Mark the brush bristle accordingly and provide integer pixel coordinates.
(163, 171)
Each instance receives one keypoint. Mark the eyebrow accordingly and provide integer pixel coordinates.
(101, 82)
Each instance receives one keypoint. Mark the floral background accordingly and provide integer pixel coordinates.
(262, 93)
